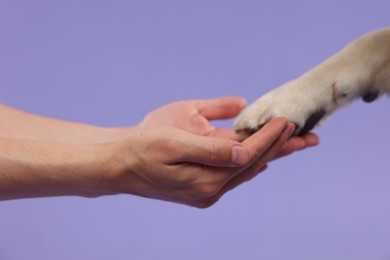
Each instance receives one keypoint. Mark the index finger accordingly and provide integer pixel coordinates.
(220, 108)
(298, 143)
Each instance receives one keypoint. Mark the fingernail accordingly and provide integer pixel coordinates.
(243, 103)
(240, 155)
(313, 140)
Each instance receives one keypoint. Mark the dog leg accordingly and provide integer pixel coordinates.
(361, 69)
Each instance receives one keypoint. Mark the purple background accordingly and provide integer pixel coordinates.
(110, 62)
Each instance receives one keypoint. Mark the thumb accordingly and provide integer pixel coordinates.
(213, 151)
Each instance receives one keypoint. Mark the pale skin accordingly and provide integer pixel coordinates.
(174, 154)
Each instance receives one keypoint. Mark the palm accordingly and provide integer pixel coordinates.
(195, 116)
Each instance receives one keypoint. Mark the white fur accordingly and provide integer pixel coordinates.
(362, 67)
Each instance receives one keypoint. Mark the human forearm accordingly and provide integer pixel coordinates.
(22, 125)
(41, 169)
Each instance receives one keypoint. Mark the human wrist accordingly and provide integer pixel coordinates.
(121, 161)
(107, 165)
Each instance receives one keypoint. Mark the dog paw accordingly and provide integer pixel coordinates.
(302, 105)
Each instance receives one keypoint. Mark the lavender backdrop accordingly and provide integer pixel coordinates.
(110, 62)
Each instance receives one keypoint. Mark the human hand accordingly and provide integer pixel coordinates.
(194, 116)
(170, 164)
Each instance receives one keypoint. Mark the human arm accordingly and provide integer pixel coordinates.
(164, 163)
(174, 154)
(17, 124)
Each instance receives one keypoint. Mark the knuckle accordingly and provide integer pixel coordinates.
(213, 152)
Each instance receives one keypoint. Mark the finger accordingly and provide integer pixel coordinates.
(221, 108)
(240, 176)
(210, 151)
(298, 143)
(292, 145)
(268, 155)
(234, 183)
(264, 145)
(262, 140)
(227, 133)
(256, 168)
(311, 139)
(260, 165)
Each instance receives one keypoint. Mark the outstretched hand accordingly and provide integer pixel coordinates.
(175, 154)
(195, 116)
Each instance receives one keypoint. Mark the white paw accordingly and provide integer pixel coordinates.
(301, 104)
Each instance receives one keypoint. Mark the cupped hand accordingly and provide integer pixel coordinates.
(176, 154)
(195, 116)
(168, 163)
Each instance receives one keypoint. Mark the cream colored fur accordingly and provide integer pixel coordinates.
(361, 69)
